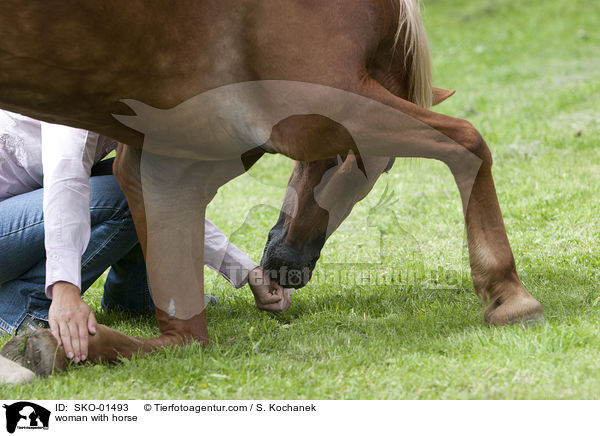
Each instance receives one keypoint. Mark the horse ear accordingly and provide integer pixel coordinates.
(439, 95)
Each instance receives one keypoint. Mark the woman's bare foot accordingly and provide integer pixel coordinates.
(269, 295)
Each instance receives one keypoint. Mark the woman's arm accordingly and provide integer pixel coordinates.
(67, 156)
(224, 257)
(238, 269)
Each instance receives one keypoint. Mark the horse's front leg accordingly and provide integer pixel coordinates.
(493, 268)
(459, 145)
(168, 198)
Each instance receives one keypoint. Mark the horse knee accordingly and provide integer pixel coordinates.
(471, 139)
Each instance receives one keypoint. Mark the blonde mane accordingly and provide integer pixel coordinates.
(416, 52)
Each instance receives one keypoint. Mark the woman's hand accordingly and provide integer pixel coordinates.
(269, 296)
(70, 320)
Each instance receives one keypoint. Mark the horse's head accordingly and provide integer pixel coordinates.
(319, 196)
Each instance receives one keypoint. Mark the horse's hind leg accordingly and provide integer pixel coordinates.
(398, 128)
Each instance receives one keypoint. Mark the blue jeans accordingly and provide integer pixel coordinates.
(113, 242)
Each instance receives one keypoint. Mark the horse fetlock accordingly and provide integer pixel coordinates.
(179, 332)
(511, 303)
(183, 338)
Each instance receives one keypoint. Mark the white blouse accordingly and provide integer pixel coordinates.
(35, 154)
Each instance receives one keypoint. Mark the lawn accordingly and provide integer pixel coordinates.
(391, 313)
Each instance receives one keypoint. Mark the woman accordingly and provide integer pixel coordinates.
(87, 227)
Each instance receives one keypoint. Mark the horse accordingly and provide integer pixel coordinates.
(200, 90)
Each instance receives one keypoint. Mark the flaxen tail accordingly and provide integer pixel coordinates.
(411, 32)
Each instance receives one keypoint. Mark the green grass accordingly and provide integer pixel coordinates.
(528, 76)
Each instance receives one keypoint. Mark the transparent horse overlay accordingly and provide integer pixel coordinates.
(192, 149)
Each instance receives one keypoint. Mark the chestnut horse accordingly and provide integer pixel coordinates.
(193, 85)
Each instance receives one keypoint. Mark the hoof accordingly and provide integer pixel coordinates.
(37, 351)
(11, 372)
(520, 309)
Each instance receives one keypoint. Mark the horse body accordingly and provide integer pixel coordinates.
(86, 65)
(72, 64)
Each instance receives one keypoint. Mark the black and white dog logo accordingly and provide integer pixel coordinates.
(26, 415)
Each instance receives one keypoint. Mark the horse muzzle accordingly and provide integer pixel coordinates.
(290, 266)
